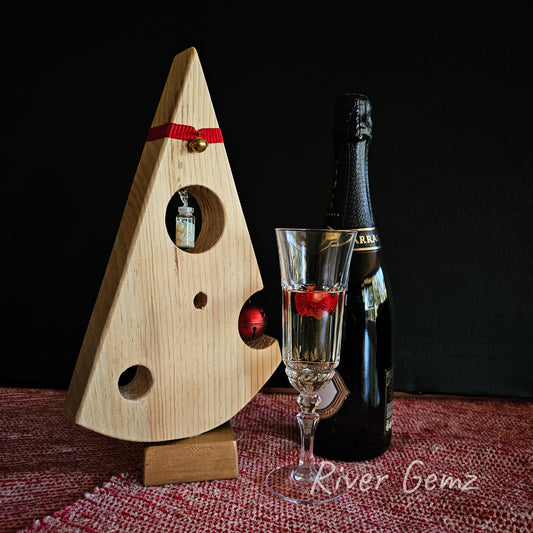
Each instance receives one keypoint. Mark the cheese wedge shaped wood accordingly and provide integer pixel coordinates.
(165, 316)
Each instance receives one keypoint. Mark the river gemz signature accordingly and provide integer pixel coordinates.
(414, 479)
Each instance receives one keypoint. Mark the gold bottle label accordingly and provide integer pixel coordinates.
(367, 240)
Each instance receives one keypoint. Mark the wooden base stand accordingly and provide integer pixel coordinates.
(212, 455)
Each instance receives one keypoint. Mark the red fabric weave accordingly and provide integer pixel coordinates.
(51, 467)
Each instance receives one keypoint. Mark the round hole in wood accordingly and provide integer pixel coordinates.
(135, 382)
(208, 213)
(200, 300)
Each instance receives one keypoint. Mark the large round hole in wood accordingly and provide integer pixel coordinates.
(208, 213)
(135, 382)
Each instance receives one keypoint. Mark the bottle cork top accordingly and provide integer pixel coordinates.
(185, 210)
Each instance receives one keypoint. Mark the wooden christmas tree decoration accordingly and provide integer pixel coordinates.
(169, 316)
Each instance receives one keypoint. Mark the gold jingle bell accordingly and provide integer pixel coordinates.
(198, 145)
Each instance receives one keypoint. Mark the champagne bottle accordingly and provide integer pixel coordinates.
(356, 408)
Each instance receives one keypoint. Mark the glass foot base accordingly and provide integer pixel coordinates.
(325, 487)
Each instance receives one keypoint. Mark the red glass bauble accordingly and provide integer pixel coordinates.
(252, 321)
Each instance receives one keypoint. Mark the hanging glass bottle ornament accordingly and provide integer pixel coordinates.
(185, 222)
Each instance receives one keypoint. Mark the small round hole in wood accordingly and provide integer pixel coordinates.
(200, 300)
(135, 382)
(208, 213)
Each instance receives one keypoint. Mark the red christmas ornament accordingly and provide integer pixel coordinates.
(252, 321)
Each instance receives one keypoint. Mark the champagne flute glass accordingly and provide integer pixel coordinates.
(314, 266)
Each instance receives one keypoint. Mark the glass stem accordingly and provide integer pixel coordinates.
(308, 421)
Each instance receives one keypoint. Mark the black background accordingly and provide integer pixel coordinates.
(450, 163)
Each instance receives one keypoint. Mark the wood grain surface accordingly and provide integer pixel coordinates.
(172, 315)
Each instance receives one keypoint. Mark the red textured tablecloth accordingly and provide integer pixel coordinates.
(58, 477)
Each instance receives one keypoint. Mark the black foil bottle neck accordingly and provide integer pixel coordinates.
(350, 206)
(352, 120)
